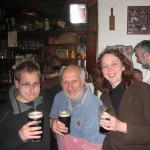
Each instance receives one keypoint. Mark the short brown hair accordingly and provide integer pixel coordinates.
(27, 66)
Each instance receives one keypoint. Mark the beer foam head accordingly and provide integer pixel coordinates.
(64, 113)
(35, 114)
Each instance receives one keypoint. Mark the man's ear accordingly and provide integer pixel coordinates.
(146, 54)
(16, 83)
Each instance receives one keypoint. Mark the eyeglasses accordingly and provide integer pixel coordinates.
(27, 85)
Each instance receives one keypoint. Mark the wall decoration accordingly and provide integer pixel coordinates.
(62, 53)
(126, 50)
(21, 58)
(111, 20)
(138, 21)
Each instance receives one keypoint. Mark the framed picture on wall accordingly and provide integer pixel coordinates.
(138, 21)
(62, 53)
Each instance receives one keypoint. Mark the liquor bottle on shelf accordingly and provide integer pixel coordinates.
(11, 75)
(46, 24)
(13, 24)
(9, 25)
(4, 24)
(0, 24)
(1, 19)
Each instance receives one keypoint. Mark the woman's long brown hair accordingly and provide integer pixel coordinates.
(128, 76)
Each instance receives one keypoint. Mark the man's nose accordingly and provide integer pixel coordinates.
(70, 85)
(31, 87)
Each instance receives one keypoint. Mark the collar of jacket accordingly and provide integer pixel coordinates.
(19, 107)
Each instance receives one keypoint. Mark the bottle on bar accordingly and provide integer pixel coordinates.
(4, 24)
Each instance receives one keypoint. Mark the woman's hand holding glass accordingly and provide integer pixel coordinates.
(112, 123)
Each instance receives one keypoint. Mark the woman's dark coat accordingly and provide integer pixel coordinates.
(134, 109)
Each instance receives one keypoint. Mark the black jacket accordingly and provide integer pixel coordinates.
(13, 116)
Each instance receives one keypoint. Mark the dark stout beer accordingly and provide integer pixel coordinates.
(38, 117)
(102, 109)
(64, 116)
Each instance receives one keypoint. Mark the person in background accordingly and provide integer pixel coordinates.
(83, 105)
(50, 75)
(129, 100)
(23, 97)
(50, 79)
(142, 52)
(51, 85)
(138, 74)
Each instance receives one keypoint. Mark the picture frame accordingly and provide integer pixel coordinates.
(21, 58)
(62, 53)
(126, 50)
(138, 20)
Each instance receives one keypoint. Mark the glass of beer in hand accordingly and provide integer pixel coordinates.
(39, 118)
(101, 110)
(64, 117)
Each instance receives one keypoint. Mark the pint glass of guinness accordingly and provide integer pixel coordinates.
(39, 118)
(101, 110)
(64, 117)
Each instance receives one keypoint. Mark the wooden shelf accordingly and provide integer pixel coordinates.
(62, 44)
